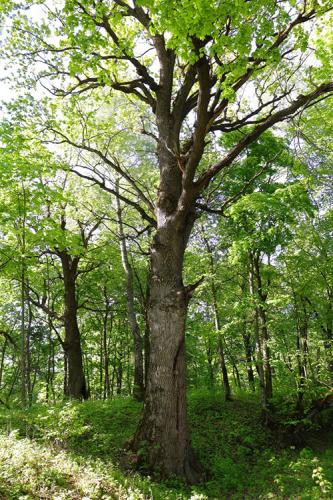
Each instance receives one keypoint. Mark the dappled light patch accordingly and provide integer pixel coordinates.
(88, 459)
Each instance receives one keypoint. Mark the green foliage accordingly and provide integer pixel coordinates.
(76, 449)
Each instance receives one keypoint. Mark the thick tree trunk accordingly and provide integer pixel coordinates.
(76, 383)
(162, 436)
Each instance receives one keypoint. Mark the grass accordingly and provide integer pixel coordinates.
(72, 451)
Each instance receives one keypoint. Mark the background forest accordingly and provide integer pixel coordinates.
(166, 164)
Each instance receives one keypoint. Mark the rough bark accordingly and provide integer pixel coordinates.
(76, 383)
(162, 435)
(163, 431)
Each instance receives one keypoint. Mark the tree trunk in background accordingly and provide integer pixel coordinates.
(236, 375)
(105, 347)
(138, 390)
(76, 383)
(262, 296)
(258, 340)
(119, 376)
(209, 353)
(328, 343)
(246, 335)
(217, 322)
(22, 199)
(248, 356)
(302, 350)
(23, 342)
(65, 374)
(50, 370)
(30, 383)
(225, 378)
(2, 360)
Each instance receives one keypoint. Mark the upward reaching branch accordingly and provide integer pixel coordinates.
(281, 115)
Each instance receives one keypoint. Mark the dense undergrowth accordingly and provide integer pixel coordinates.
(73, 451)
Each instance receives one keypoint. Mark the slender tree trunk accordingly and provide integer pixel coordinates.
(246, 335)
(248, 356)
(50, 369)
(302, 351)
(65, 373)
(87, 374)
(2, 360)
(236, 375)
(76, 386)
(257, 336)
(113, 378)
(328, 344)
(138, 390)
(263, 325)
(217, 323)
(106, 360)
(119, 376)
(225, 377)
(24, 395)
(29, 381)
(22, 244)
(101, 362)
(209, 353)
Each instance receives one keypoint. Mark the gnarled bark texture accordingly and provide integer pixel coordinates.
(163, 429)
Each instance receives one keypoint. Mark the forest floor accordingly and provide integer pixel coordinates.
(75, 451)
